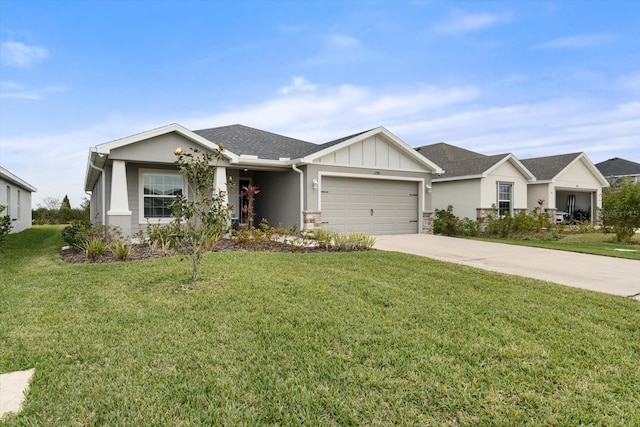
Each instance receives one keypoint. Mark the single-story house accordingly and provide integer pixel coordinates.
(617, 169)
(477, 185)
(15, 195)
(568, 183)
(370, 182)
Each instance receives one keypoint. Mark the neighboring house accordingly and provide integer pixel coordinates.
(15, 194)
(616, 169)
(371, 181)
(567, 183)
(477, 185)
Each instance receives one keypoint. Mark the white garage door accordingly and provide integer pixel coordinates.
(372, 206)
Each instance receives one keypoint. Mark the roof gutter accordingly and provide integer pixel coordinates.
(103, 195)
(299, 171)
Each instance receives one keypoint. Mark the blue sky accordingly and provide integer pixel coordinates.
(533, 78)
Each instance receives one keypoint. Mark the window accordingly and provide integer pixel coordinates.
(159, 189)
(7, 211)
(18, 214)
(505, 198)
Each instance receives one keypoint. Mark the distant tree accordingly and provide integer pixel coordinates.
(65, 203)
(65, 213)
(50, 203)
(86, 204)
(621, 209)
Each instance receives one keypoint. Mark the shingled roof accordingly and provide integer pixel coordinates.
(458, 162)
(618, 167)
(338, 141)
(548, 167)
(442, 153)
(241, 139)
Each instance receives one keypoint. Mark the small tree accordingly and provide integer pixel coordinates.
(621, 209)
(202, 214)
(250, 192)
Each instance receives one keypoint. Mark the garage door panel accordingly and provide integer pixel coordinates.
(347, 205)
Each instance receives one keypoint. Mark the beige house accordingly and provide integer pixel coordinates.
(569, 184)
(370, 181)
(15, 195)
(475, 184)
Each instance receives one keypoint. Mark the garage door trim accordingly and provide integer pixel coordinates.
(420, 181)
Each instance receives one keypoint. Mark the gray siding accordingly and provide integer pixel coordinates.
(279, 198)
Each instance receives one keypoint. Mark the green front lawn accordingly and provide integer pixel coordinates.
(366, 338)
(589, 243)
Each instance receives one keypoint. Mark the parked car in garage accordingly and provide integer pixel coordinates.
(562, 217)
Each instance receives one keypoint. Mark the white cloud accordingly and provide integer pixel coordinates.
(21, 55)
(576, 42)
(339, 49)
(12, 90)
(418, 114)
(461, 22)
(299, 84)
(329, 112)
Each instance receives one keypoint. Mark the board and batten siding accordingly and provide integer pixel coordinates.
(373, 152)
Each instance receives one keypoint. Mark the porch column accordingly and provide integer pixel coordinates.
(220, 183)
(119, 214)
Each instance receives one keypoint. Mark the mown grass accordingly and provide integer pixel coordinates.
(367, 338)
(588, 243)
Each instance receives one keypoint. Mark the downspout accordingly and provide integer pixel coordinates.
(104, 206)
(295, 168)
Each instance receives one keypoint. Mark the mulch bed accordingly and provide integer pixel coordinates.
(139, 252)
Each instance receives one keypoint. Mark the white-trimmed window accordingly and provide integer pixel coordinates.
(7, 211)
(158, 189)
(505, 198)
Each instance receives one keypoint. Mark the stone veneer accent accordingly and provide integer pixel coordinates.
(427, 222)
(482, 215)
(312, 220)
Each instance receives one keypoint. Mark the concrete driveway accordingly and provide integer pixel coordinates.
(597, 273)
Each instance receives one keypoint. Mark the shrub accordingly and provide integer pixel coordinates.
(500, 226)
(322, 237)
(469, 227)
(121, 249)
(524, 223)
(5, 225)
(621, 209)
(446, 222)
(161, 237)
(352, 241)
(74, 233)
(94, 247)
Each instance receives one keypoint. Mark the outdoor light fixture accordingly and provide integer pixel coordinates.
(314, 184)
(428, 187)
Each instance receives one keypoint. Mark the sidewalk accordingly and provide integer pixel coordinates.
(615, 276)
